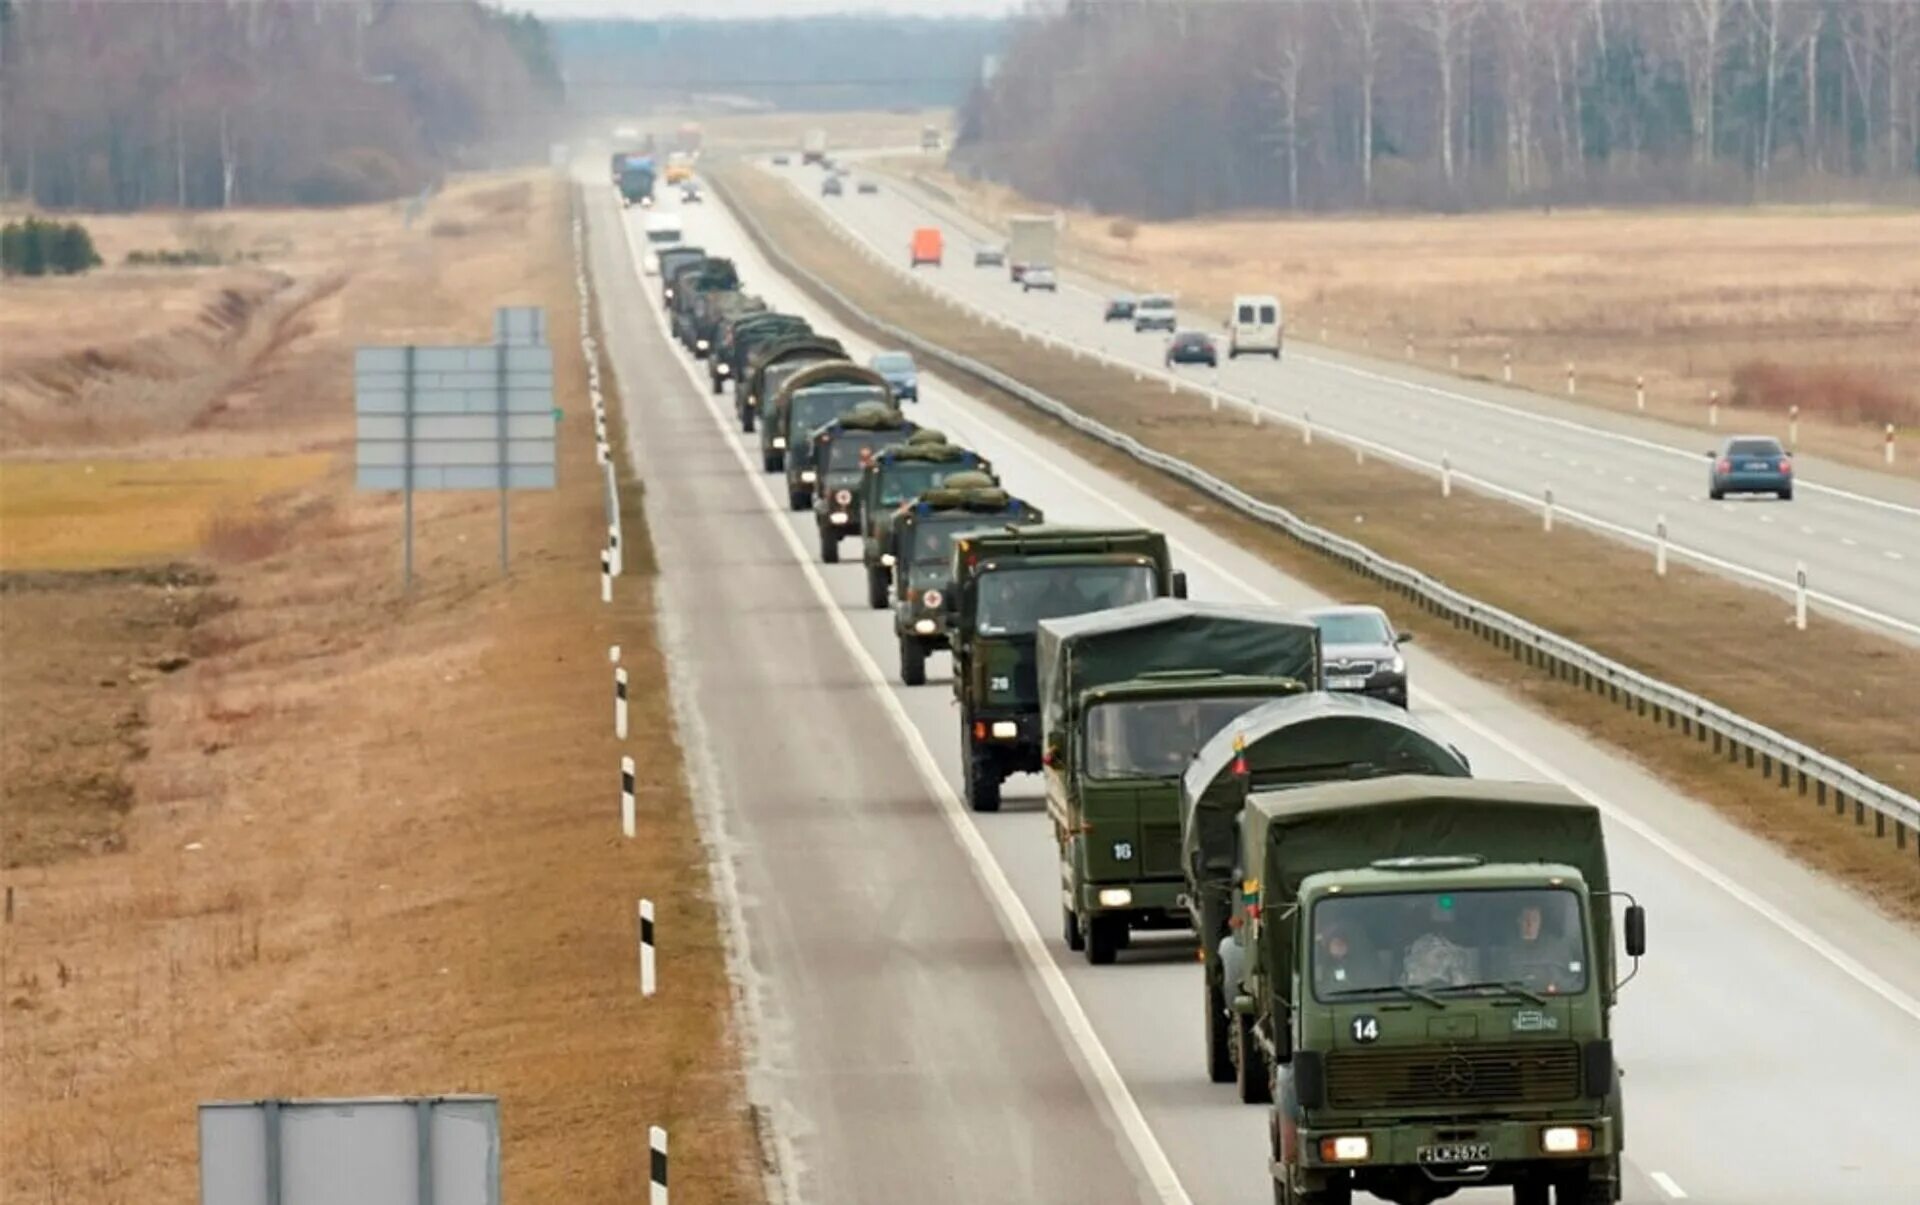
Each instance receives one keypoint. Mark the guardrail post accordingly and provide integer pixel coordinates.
(1506, 367)
(1546, 513)
(1640, 393)
(1660, 547)
(1800, 595)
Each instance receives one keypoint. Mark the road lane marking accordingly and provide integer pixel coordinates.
(993, 879)
(1668, 1186)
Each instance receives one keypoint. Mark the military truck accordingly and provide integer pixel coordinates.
(741, 336)
(712, 275)
(841, 451)
(1317, 737)
(771, 365)
(1128, 696)
(893, 480)
(808, 401)
(1428, 966)
(672, 260)
(922, 540)
(711, 309)
(1004, 583)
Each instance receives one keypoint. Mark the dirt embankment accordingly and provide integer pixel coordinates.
(1840, 689)
(274, 828)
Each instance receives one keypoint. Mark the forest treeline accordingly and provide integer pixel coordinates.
(208, 103)
(1166, 109)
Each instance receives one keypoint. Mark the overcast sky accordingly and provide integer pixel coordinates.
(759, 8)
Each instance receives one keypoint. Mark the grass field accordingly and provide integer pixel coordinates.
(1771, 307)
(274, 828)
(1712, 637)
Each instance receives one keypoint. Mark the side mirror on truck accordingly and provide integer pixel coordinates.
(1179, 583)
(1636, 931)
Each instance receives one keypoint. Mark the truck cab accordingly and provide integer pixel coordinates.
(769, 366)
(691, 288)
(892, 480)
(741, 335)
(841, 452)
(672, 260)
(1128, 697)
(1005, 582)
(920, 548)
(808, 401)
(1426, 969)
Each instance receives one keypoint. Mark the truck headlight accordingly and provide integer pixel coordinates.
(843, 497)
(1005, 730)
(838, 518)
(806, 475)
(886, 558)
(1115, 897)
(724, 370)
(779, 442)
(700, 344)
(1346, 1148)
(1566, 1140)
(925, 628)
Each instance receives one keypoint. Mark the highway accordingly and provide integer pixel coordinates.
(1857, 533)
(921, 1032)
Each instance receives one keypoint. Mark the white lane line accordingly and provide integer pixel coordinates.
(1850, 542)
(1013, 915)
(1668, 1186)
(1891, 555)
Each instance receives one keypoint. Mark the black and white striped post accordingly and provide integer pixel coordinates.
(606, 576)
(646, 949)
(618, 559)
(657, 1166)
(620, 704)
(626, 796)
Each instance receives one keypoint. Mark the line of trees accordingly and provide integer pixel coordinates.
(211, 103)
(1171, 108)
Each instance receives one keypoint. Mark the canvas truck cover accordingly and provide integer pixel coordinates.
(1054, 540)
(832, 372)
(809, 346)
(1081, 652)
(1349, 825)
(1310, 738)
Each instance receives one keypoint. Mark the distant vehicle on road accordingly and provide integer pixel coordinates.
(901, 373)
(1192, 347)
(1750, 464)
(926, 247)
(663, 229)
(782, 160)
(989, 257)
(1253, 327)
(690, 193)
(813, 147)
(866, 188)
(1030, 241)
(929, 138)
(1120, 309)
(1360, 652)
(1038, 276)
(830, 187)
(1154, 312)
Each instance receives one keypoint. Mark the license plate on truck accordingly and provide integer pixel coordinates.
(1456, 1152)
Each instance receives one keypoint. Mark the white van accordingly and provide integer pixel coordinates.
(1254, 327)
(663, 229)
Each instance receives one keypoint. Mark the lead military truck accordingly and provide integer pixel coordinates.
(1310, 738)
(769, 368)
(920, 543)
(1128, 697)
(841, 452)
(1004, 583)
(1428, 964)
(893, 480)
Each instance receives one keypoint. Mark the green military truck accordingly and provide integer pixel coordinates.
(1318, 737)
(1428, 965)
(920, 542)
(768, 369)
(715, 308)
(738, 336)
(894, 479)
(808, 401)
(1004, 583)
(672, 260)
(841, 452)
(690, 287)
(1128, 696)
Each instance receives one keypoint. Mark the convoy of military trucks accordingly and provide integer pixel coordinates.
(1413, 969)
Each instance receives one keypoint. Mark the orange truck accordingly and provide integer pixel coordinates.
(925, 247)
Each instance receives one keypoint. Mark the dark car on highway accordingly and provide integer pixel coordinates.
(989, 257)
(1360, 652)
(901, 373)
(1192, 347)
(1120, 309)
(830, 187)
(1750, 464)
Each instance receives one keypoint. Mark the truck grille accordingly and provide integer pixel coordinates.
(1159, 848)
(1427, 1075)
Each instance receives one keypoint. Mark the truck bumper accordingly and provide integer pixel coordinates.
(1513, 1153)
(1149, 903)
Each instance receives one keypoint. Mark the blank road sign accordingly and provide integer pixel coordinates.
(373, 1151)
(479, 417)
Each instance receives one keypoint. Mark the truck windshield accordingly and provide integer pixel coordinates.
(1155, 738)
(850, 451)
(1013, 601)
(1530, 938)
(816, 407)
(911, 478)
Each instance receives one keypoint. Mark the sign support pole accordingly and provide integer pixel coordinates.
(406, 578)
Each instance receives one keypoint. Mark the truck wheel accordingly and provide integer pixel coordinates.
(879, 582)
(1251, 1076)
(746, 419)
(772, 462)
(1105, 936)
(829, 547)
(799, 499)
(982, 781)
(1530, 1194)
(1070, 929)
(717, 382)
(1594, 1190)
(913, 662)
(1332, 1194)
(1219, 1055)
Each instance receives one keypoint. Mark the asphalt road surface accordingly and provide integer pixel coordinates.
(1857, 533)
(922, 1032)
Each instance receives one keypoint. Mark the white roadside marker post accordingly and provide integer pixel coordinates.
(647, 982)
(1546, 512)
(619, 560)
(620, 703)
(657, 1166)
(1800, 595)
(1889, 443)
(1713, 408)
(1570, 385)
(606, 576)
(626, 798)
(1506, 367)
(1793, 427)
(1660, 547)
(1639, 392)
(1453, 358)
(1446, 476)
(1306, 427)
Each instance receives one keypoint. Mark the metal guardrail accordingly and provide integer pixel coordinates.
(1772, 754)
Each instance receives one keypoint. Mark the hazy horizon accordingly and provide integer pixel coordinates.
(650, 10)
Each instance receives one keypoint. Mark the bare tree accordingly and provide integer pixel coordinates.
(1696, 27)
(1362, 24)
(1781, 28)
(1448, 23)
(1283, 81)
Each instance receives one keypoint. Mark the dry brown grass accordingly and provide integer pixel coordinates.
(1681, 298)
(370, 842)
(783, 130)
(1848, 692)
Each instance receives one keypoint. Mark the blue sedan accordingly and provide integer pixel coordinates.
(901, 374)
(1750, 464)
